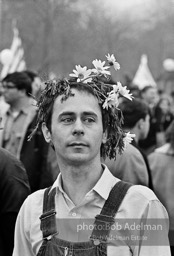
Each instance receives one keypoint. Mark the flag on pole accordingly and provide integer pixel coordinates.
(15, 61)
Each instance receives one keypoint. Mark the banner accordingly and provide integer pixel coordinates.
(13, 59)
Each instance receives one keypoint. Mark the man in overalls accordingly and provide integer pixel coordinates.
(88, 211)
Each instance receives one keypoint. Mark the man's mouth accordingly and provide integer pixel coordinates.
(77, 144)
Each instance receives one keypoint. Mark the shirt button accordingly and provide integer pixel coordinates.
(74, 214)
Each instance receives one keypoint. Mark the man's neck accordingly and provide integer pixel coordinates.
(78, 181)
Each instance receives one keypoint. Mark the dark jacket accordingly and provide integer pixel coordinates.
(14, 188)
(146, 162)
(34, 154)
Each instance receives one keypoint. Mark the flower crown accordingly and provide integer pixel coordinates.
(97, 80)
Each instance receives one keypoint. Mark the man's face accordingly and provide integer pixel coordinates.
(151, 96)
(77, 130)
(10, 92)
(165, 105)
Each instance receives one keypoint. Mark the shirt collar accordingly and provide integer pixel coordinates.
(102, 187)
(105, 183)
(25, 109)
(58, 183)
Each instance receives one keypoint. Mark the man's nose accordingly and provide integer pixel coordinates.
(78, 128)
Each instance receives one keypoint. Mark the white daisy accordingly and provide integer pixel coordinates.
(112, 61)
(128, 139)
(124, 91)
(99, 67)
(82, 73)
(112, 99)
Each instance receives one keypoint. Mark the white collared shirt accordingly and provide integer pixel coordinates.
(15, 126)
(139, 203)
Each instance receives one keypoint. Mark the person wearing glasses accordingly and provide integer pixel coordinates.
(17, 123)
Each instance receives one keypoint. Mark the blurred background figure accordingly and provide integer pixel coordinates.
(14, 188)
(130, 166)
(164, 116)
(18, 122)
(162, 165)
(135, 91)
(37, 84)
(149, 95)
(136, 120)
(3, 105)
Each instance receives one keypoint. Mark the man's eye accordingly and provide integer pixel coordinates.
(89, 119)
(67, 120)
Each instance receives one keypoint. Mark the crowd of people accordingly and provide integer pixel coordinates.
(65, 158)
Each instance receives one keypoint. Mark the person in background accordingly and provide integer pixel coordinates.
(80, 117)
(126, 165)
(149, 95)
(162, 165)
(17, 123)
(164, 116)
(136, 120)
(134, 89)
(14, 188)
(37, 84)
(129, 166)
(3, 105)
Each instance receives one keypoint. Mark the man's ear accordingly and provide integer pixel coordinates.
(105, 136)
(46, 132)
(140, 123)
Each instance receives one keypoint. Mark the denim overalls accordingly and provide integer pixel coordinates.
(97, 244)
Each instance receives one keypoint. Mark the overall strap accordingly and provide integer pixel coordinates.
(115, 198)
(106, 218)
(48, 220)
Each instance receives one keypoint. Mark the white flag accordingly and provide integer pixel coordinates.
(17, 62)
(143, 76)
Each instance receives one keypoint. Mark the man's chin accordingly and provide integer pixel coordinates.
(78, 159)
